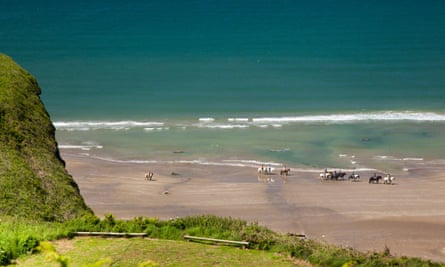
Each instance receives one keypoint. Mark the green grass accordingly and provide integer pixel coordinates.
(132, 252)
(19, 237)
(33, 180)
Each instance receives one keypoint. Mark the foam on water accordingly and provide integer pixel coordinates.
(238, 119)
(113, 125)
(206, 119)
(222, 126)
(150, 129)
(230, 163)
(356, 117)
(392, 158)
(81, 147)
(260, 122)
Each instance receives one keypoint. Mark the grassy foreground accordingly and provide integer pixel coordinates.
(138, 251)
(19, 237)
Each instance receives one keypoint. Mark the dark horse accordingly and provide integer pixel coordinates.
(338, 175)
(375, 179)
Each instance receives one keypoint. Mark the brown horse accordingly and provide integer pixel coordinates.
(149, 175)
(285, 171)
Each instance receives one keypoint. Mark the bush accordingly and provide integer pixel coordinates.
(152, 231)
(170, 232)
(4, 257)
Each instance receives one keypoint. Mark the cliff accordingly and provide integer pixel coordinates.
(33, 180)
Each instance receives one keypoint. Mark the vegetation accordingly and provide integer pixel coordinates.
(137, 251)
(33, 180)
(18, 237)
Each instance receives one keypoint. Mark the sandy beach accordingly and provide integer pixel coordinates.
(408, 216)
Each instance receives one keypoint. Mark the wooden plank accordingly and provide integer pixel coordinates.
(301, 236)
(110, 234)
(244, 243)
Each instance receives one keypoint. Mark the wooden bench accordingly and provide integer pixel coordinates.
(110, 234)
(301, 236)
(214, 240)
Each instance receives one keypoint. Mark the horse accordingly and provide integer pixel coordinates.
(262, 170)
(338, 175)
(375, 179)
(325, 175)
(265, 170)
(285, 171)
(388, 179)
(149, 175)
(354, 177)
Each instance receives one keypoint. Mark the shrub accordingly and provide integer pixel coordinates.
(170, 232)
(152, 231)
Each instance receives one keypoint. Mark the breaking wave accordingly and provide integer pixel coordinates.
(258, 122)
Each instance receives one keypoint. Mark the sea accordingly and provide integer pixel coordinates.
(354, 85)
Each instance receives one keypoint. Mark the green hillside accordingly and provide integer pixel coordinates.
(33, 180)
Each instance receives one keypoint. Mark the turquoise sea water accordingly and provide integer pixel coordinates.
(310, 84)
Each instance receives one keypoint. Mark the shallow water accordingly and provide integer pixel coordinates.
(383, 145)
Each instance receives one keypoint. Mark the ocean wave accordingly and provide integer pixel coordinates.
(252, 163)
(392, 158)
(126, 161)
(227, 163)
(113, 125)
(355, 117)
(151, 129)
(230, 163)
(206, 119)
(81, 147)
(222, 126)
(258, 122)
(238, 119)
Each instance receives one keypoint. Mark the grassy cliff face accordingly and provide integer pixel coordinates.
(33, 180)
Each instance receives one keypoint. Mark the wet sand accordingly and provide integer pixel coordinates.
(408, 217)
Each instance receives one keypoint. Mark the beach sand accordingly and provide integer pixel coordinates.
(407, 217)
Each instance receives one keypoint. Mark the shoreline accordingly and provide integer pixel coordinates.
(408, 216)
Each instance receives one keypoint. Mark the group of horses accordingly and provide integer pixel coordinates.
(324, 176)
(270, 171)
(375, 179)
(338, 176)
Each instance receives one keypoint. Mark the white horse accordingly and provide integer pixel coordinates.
(388, 179)
(325, 175)
(354, 177)
(264, 170)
